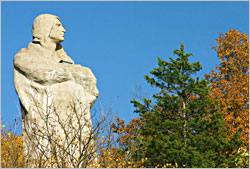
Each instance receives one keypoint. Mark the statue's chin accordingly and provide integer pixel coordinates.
(61, 39)
(57, 40)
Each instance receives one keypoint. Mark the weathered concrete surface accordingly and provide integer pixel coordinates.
(48, 88)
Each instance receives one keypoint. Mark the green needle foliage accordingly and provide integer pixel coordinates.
(182, 128)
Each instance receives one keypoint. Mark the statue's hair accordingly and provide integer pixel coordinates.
(42, 26)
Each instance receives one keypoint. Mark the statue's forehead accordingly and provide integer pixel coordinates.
(57, 20)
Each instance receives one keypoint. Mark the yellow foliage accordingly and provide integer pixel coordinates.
(230, 84)
(11, 150)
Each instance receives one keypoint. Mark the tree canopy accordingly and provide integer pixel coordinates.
(184, 127)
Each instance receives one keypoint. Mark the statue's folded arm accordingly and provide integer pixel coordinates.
(46, 72)
(42, 72)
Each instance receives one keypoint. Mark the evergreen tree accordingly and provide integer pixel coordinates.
(182, 128)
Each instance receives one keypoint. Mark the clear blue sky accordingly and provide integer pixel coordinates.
(119, 41)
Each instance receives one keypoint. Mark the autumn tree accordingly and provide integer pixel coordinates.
(230, 83)
(183, 127)
(127, 146)
(11, 147)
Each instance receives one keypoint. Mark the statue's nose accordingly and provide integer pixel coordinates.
(63, 29)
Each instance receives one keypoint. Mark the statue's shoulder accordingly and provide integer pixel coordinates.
(24, 54)
(20, 56)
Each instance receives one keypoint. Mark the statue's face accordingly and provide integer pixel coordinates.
(57, 31)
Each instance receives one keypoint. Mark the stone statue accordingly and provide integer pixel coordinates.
(55, 94)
